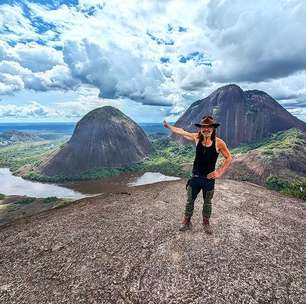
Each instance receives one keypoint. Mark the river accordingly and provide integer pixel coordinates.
(16, 185)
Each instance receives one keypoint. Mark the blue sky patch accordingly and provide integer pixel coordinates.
(164, 59)
(198, 57)
(182, 29)
(55, 4)
(41, 26)
(160, 40)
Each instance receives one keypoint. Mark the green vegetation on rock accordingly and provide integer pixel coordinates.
(17, 155)
(277, 143)
(50, 199)
(25, 201)
(166, 157)
(283, 141)
(295, 187)
(63, 203)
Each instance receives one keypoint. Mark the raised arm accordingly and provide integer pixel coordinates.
(181, 132)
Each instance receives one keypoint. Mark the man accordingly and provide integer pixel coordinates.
(208, 147)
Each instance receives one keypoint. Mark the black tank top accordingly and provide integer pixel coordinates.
(205, 159)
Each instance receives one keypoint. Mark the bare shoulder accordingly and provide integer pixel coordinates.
(222, 147)
(220, 143)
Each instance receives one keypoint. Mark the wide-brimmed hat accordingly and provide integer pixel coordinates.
(207, 121)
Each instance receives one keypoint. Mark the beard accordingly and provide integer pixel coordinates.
(206, 134)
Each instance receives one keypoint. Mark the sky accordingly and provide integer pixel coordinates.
(150, 59)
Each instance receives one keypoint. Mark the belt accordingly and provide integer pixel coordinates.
(196, 175)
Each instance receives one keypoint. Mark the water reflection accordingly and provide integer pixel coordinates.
(151, 177)
(118, 183)
(16, 185)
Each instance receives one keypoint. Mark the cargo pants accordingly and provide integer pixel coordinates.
(193, 186)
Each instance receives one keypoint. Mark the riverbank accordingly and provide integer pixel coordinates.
(15, 206)
(167, 157)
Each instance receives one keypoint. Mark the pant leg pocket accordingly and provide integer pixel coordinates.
(188, 182)
(192, 181)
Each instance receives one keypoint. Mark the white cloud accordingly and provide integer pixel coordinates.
(14, 77)
(285, 88)
(9, 84)
(299, 113)
(258, 45)
(33, 56)
(116, 72)
(16, 25)
(36, 57)
(34, 110)
(256, 41)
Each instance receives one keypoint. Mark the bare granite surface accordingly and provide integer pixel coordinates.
(125, 247)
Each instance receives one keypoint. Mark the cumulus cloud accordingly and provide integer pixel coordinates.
(161, 53)
(14, 77)
(116, 72)
(32, 56)
(36, 57)
(256, 41)
(283, 89)
(32, 110)
(117, 55)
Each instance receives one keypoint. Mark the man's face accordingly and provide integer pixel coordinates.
(207, 131)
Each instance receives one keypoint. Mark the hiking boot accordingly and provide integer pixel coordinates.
(206, 225)
(186, 225)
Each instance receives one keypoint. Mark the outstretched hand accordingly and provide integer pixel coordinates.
(214, 174)
(166, 125)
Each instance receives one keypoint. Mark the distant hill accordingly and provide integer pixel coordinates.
(14, 136)
(282, 155)
(244, 116)
(104, 137)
